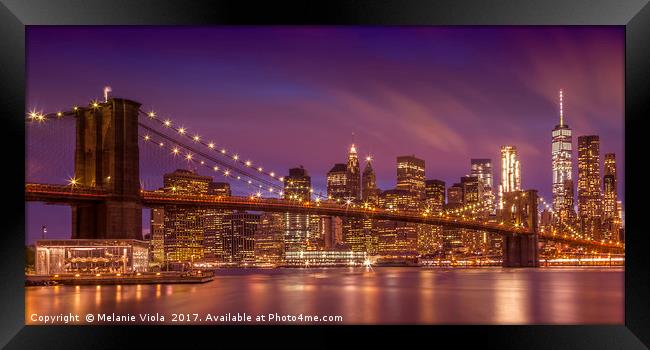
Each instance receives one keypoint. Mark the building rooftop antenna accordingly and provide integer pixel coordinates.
(561, 108)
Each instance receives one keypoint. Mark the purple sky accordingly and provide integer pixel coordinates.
(288, 96)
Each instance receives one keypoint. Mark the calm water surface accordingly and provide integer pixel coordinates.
(361, 296)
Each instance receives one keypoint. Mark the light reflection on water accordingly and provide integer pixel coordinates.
(381, 295)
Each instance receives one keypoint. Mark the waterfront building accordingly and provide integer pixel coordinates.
(325, 258)
(214, 222)
(239, 237)
(316, 239)
(332, 228)
(184, 228)
(397, 239)
(589, 187)
(91, 256)
(354, 233)
(561, 162)
(371, 236)
(269, 239)
(297, 187)
(158, 234)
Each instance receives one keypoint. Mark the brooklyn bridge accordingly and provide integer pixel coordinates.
(107, 197)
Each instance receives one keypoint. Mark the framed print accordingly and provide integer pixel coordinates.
(450, 168)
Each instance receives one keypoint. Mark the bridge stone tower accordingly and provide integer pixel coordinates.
(520, 207)
(107, 157)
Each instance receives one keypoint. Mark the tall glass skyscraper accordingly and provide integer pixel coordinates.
(510, 172)
(611, 218)
(482, 169)
(297, 186)
(589, 186)
(562, 167)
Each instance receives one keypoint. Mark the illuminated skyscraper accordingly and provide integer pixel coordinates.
(451, 237)
(297, 187)
(472, 190)
(184, 228)
(569, 215)
(621, 230)
(589, 188)
(455, 196)
(370, 192)
(158, 234)
(510, 172)
(239, 237)
(562, 168)
(219, 189)
(214, 222)
(482, 169)
(354, 233)
(337, 186)
(370, 196)
(473, 195)
(429, 236)
(353, 175)
(410, 175)
(610, 197)
(397, 239)
(434, 195)
(184, 181)
(269, 239)
(343, 185)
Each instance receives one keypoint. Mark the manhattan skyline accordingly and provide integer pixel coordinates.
(444, 94)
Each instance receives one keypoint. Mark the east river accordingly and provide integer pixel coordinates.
(384, 295)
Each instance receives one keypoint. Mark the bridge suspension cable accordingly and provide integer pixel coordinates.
(250, 177)
(221, 151)
(222, 168)
(575, 233)
(182, 131)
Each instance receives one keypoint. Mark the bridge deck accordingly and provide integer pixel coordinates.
(67, 194)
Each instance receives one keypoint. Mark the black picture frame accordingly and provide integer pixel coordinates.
(633, 14)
